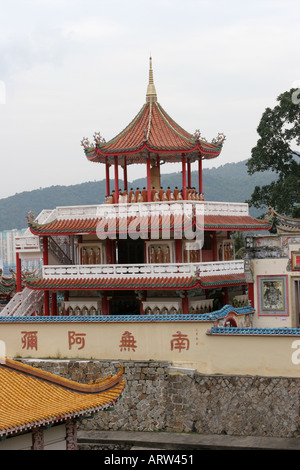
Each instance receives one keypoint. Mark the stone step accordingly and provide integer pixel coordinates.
(183, 441)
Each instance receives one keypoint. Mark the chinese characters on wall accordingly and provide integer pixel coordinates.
(75, 340)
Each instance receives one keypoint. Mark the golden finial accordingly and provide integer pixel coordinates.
(151, 92)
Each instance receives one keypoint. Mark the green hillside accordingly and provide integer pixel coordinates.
(229, 182)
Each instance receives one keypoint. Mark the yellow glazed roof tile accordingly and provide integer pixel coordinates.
(31, 398)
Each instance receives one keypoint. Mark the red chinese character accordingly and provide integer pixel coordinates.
(76, 338)
(29, 340)
(127, 342)
(180, 342)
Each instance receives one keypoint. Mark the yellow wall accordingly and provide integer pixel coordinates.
(242, 355)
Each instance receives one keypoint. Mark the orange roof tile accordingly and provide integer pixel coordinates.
(137, 283)
(152, 130)
(81, 226)
(30, 397)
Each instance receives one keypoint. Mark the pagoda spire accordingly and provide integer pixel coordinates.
(151, 95)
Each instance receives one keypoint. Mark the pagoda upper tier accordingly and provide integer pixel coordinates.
(152, 133)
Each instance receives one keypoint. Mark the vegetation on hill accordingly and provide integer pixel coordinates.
(229, 182)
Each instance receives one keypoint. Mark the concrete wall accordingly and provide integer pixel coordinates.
(160, 397)
(269, 354)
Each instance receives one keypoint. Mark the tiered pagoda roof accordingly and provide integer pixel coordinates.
(92, 225)
(152, 132)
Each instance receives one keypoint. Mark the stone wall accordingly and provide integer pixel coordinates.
(159, 397)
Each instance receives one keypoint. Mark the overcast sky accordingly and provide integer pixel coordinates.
(69, 68)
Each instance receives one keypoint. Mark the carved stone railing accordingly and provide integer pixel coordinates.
(28, 244)
(111, 210)
(162, 306)
(25, 303)
(81, 307)
(153, 270)
(201, 306)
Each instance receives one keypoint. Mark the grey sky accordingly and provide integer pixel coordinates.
(73, 67)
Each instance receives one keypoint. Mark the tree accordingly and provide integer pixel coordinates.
(276, 150)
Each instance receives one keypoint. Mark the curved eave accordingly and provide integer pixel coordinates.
(33, 402)
(138, 283)
(103, 226)
(101, 154)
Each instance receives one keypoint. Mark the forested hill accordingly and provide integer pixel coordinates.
(229, 182)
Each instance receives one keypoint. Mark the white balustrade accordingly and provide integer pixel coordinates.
(27, 243)
(152, 270)
(81, 307)
(24, 303)
(112, 211)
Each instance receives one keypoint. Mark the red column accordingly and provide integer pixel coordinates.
(148, 179)
(214, 247)
(178, 250)
(46, 303)
(225, 298)
(37, 436)
(107, 178)
(45, 251)
(185, 304)
(158, 166)
(54, 304)
(19, 272)
(116, 180)
(251, 294)
(105, 304)
(109, 251)
(200, 174)
(189, 174)
(71, 435)
(125, 175)
(184, 192)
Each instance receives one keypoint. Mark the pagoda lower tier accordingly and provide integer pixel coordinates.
(142, 259)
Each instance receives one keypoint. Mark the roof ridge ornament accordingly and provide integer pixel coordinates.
(151, 95)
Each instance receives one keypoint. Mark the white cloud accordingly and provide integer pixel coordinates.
(73, 67)
(92, 29)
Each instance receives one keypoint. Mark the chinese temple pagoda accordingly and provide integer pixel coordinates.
(143, 251)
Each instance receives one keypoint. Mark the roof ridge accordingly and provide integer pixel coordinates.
(102, 386)
(127, 128)
(164, 114)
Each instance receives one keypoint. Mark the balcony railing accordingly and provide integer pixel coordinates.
(100, 210)
(153, 270)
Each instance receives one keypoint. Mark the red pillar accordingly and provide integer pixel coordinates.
(105, 304)
(109, 259)
(251, 294)
(185, 304)
(125, 175)
(200, 175)
(54, 304)
(45, 251)
(71, 435)
(184, 192)
(225, 299)
(148, 179)
(158, 166)
(178, 250)
(46, 303)
(19, 272)
(107, 178)
(214, 247)
(189, 174)
(116, 180)
(37, 436)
